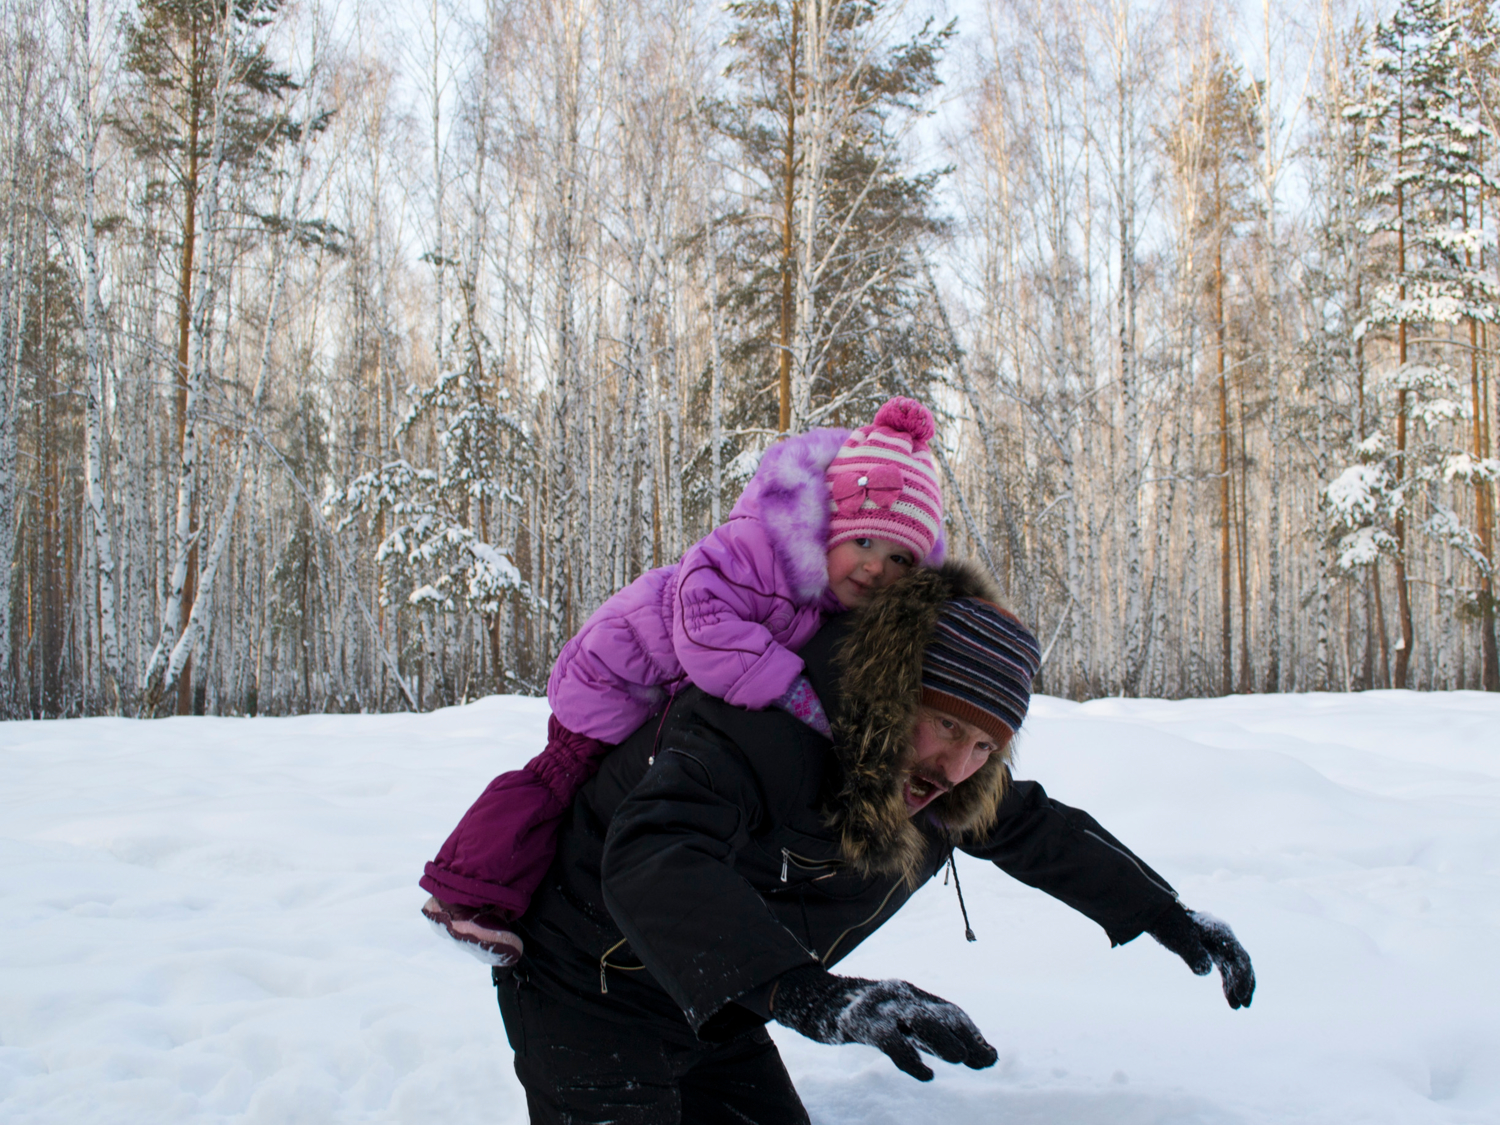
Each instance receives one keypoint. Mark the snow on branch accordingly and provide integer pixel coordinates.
(1357, 493)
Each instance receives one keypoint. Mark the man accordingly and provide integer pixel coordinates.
(724, 860)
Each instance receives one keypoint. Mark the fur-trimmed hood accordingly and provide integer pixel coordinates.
(880, 680)
(789, 495)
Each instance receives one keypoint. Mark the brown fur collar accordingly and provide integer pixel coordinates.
(881, 687)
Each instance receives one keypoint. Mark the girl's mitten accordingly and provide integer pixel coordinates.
(801, 700)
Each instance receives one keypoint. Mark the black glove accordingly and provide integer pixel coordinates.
(1203, 942)
(888, 1014)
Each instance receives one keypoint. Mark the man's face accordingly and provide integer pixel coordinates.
(859, 567)
(945, 751)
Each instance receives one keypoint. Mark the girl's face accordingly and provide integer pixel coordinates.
(859, 567)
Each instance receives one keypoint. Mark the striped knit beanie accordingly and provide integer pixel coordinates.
(884, 483)
(978, 666)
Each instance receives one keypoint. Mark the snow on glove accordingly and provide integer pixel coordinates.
(802, 701)
(1203, 942)
(892, 1015)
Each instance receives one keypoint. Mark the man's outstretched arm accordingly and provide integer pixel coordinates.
(1068, 854)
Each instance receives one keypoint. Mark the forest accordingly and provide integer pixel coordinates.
(352, 354)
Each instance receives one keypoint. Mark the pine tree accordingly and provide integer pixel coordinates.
(1480, 47)
(826, 280)
(1425, 149)
(205, 109)
(435, 519)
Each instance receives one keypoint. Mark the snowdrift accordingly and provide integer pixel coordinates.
(207, 920)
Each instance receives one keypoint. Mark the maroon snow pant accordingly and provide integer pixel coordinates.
(501, 849)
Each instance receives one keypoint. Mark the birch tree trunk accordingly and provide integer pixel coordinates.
(1125, 192)
(566, 479)
(439, 250)
(715, 386)
(675, 545)
(86, 77)
(21, 95)
(622, 487)
(788, 213)
(10, 299)
(994, 468)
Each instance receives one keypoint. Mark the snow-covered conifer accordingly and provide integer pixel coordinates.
(1425, 143)
(436, 518)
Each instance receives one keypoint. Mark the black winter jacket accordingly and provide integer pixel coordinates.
(719, 848)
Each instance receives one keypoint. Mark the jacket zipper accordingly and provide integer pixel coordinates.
(788, 857)
(857, 925)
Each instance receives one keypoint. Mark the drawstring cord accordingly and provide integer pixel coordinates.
(606, 963)
(964, 910)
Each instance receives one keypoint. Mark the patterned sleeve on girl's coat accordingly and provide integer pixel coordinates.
(727, 606)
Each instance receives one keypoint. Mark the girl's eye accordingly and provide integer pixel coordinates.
(901, 560)
(862, 544)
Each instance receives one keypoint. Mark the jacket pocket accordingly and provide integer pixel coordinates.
(789, 861)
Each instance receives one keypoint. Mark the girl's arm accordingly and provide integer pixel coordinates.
(729, 603)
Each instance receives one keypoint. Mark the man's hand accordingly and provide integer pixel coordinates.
(1203, 942)
(889, 1014)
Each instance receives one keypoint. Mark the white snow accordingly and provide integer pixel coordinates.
(1354, 493)
(207, 920)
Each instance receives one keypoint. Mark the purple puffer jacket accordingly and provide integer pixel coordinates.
(729, 617)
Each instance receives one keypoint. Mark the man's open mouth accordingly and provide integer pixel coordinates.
(919, 790)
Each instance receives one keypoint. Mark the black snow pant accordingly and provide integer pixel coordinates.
(579, 1069)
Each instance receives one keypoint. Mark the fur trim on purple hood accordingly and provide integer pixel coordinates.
(729, 617)
(789, 494)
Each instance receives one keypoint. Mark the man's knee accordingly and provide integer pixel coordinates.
(559, 1092)
(742, 1083)
(578, 1069)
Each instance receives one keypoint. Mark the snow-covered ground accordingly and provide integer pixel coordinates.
(216, 920)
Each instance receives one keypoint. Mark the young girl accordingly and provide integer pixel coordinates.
(829, 518)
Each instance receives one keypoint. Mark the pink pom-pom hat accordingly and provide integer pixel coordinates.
(884, 483)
